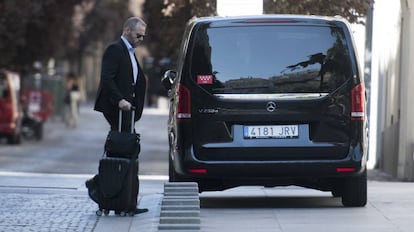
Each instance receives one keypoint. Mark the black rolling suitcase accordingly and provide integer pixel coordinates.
(116, 185)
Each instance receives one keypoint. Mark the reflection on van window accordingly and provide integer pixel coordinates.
(271, 59)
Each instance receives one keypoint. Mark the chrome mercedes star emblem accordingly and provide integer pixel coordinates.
(271, 106)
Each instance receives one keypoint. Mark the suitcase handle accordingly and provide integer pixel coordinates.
(132, 119)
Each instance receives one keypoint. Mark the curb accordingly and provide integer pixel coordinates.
(180, 207)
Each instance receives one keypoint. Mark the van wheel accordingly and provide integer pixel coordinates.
(336, 193)
(171, 172)
(173, 175)
(354, 193)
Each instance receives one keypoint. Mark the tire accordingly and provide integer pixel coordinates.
(171, 172)
(336, 193)
(173, 176)
(354, 192)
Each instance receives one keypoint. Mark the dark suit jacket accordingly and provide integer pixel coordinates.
(117, 81)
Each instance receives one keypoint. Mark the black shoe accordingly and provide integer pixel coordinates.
(93, 189)
(92, 182)
(89, 184)
(138, 210)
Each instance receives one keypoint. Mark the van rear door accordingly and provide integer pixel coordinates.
(265, 91)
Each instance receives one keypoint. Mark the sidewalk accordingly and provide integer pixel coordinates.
(54, 202)
(59, 202)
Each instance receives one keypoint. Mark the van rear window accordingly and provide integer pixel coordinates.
(270, 59)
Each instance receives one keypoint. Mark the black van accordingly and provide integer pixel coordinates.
(270, 100)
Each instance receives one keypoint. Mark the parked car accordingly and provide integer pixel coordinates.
(10, 108)
(270, 100)
(38, 106)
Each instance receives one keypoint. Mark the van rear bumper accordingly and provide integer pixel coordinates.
(270, 170)
(353, 164)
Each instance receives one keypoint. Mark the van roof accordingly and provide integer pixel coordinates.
(272, 18)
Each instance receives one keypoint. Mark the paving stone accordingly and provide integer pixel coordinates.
(163, 227)
(180, 213)
(181, 184)
(187, 190)
(181, 197)
(190, 201)
(46, 212)
(179, 207)
(180, 220)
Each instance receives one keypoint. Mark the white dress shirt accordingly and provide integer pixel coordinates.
(132, 58)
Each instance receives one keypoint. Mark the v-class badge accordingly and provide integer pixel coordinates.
(271, 106)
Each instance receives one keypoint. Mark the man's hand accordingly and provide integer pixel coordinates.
(124, 105)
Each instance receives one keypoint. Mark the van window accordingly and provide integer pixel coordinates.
(263, 59)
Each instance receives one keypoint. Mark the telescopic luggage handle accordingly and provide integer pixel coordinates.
(132, 119)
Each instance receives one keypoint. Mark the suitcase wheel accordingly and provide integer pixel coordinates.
(99, 212)
(106, 212)
(123, 213)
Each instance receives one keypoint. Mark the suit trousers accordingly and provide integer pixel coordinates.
(113, 120)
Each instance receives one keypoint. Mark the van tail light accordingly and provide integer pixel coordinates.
(358, 103)
(184, 103)
(342, 170)
(197, 171)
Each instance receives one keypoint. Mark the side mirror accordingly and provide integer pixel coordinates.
(168, 79)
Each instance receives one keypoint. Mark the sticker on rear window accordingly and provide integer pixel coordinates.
(204, 79)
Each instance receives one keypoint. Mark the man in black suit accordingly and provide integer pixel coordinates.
(123, 84)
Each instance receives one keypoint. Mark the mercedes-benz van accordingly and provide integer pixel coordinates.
(271, 100)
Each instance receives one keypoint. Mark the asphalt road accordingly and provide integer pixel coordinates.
(78, 150)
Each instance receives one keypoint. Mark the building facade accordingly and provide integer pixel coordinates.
(391, 85)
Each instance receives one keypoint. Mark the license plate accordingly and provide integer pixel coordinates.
(271, 131)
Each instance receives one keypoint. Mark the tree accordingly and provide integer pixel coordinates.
(33, 30)
(353, 10)
(37, 30)
(99, 22)
(166, 23)
(103, 23)
(167, 19)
